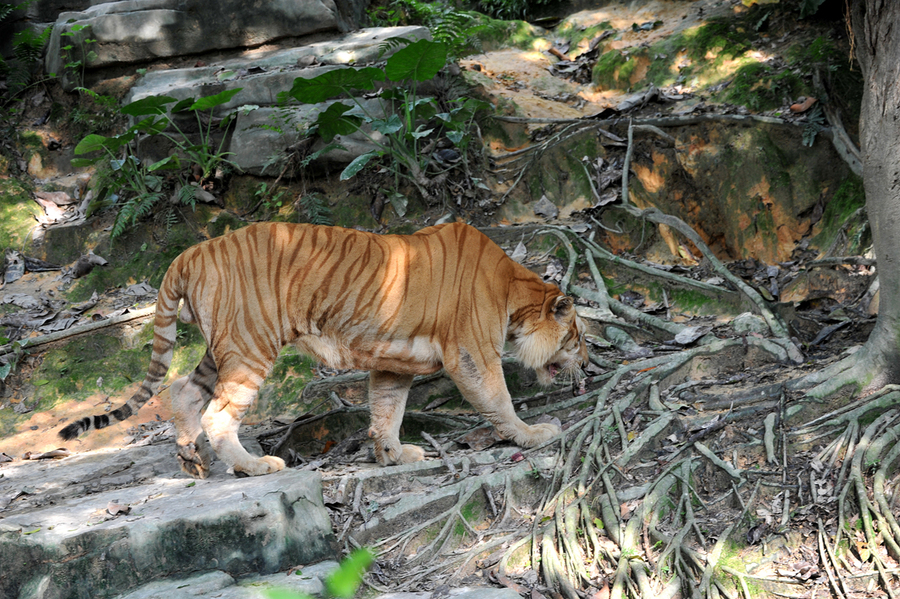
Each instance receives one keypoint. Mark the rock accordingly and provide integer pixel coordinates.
(267, 130)
(58, 542)
(749, 323)
(138, 31)
(218, 584)
(546, 208)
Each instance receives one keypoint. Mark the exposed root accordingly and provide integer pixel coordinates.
(861, 371)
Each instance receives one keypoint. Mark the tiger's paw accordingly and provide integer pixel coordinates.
(194, 461)
(412, 453)
(390, 454)
(537, 434)
(264, 465)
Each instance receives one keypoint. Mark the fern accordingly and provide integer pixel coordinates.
(28, 48)
(317, 211)
(815, 122)
(132, 210)
(187, 195)
(392, 43)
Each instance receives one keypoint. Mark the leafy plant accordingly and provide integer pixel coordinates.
(317, 211)
(270, 199)
(341, 584)
(27, 48)
(77, 64)
(509, 9)
(459, 29)
(407, 129)
(815, 122)
(142, 185)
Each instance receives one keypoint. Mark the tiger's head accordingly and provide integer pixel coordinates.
(552, 343)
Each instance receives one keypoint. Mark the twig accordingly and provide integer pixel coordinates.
(777, 327)
(828, 561)
(444, 457)
(6, 350)
(573, 257)
(627, 166)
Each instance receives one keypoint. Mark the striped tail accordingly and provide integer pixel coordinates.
(164, 328)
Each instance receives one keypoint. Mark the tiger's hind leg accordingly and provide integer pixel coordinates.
(387, 402)
(189, 394)
(235, 392)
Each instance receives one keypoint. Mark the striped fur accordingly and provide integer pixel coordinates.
(445, 297)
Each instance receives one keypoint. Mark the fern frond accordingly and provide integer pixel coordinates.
(392, 43)
(317, 211)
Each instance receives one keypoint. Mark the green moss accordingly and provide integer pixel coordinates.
(134, 260)
(224, 222)
(522, 34)
(719, 37)
(606, 72)
(284, 386)
(574, 33)
(844, 78)
(849, 197)
(758, 87)
(17, 213)
(843, 222)
(353, 212)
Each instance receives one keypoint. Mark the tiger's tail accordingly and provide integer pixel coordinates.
(164, 328)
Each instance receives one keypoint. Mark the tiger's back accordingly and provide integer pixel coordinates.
(402, 305)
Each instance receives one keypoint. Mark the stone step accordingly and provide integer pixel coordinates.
(135, 32)
(71, 547)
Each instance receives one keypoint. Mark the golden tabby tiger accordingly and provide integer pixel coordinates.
(396, 305)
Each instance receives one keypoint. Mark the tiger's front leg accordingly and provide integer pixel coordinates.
(485, 388)
(387, 402)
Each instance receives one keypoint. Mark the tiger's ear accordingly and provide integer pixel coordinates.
(563, 308)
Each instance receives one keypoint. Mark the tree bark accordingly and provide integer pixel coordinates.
(876, 28)
(876, 41)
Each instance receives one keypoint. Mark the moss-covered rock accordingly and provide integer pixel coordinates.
(17, 213)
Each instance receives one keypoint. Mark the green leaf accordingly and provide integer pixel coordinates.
(152, 125)
(168, 163)
(420, 61)
(334, 83)
(357, 165)
(91, 143)
(399, 202)
(389, 125)
(283, 594)
(148, 105)
(83, 162)
(183, 105)
(455, 136)
(420, 133)
(344, 581)
(210, 102)
(332, 121)
(4, 371)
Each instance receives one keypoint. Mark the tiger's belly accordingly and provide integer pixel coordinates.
(409, 356)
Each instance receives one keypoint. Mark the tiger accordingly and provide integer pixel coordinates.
(395, 305)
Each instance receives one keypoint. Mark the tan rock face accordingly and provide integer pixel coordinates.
(748, 191)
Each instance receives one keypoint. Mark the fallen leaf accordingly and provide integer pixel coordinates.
(117, 508)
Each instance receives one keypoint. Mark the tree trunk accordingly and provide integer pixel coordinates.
(876, 37)
(876, 27)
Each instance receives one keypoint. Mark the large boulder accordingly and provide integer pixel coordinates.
(133, 32)
(265, 132)
(97, 525)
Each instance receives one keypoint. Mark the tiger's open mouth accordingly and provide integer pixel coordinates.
(554, 369)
